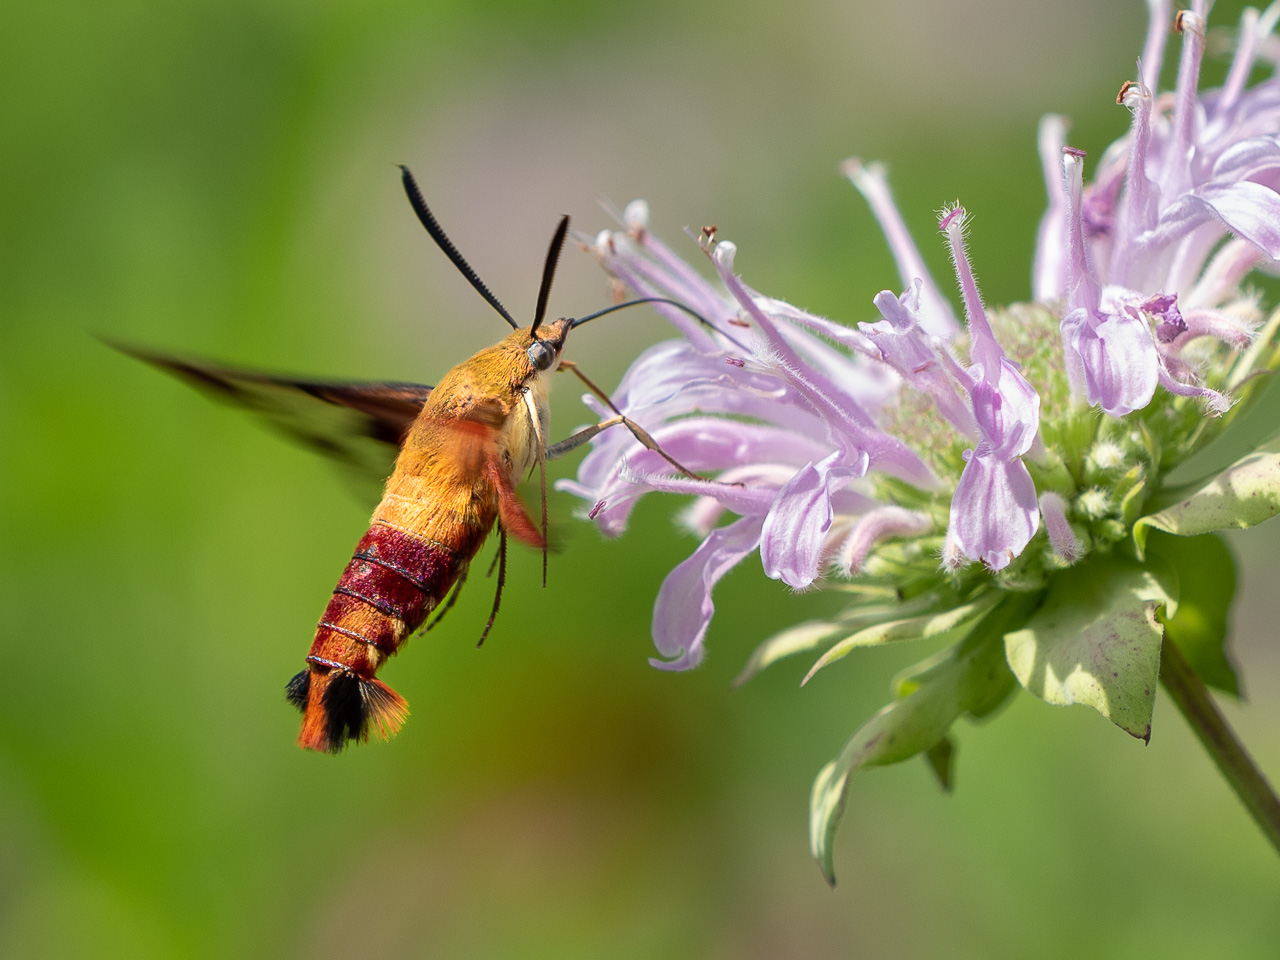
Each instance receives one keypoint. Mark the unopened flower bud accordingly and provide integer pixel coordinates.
(636, 218)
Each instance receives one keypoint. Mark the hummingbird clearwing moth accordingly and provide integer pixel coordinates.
(460, 448)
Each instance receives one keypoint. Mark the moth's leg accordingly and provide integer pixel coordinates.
(502, 580)
(572, 443)
(448, 604)
(511, 512)
(637, 431)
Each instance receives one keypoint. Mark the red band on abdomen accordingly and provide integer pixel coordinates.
(382, 588)
(387, 590)
(431, 567)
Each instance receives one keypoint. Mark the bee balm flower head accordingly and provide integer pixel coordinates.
(998, 479)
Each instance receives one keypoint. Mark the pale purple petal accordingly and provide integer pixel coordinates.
(660, 369)
(1120, 363)
(1247, 159)
(1251, 211)
(714, 443)
(1082, 290)
(993, 513)
(1177, 221)
(828, 328)
(1253, 28)
(1061, 537)
(744, 500)
(888, 454)
(620, 259)
(796, 528)
(1008, 417)
(747, 491)
(834, 396)
(784, 413)
(684, 609)
(672, 380)
(877, 525)
(1006, 407)
(983, 348)
(663, 371)
(1221, 278)
(859, 377)
(936, 315)
(1049, 274)
(1138, 212)
(702, 516)
(855, 439)
(1256, 113)
(703, 444)
(1183, 384)
(1159, 20)
(905, 347)
(901, 316)
(1175, 178)
(1222, 326)
(1187, 258)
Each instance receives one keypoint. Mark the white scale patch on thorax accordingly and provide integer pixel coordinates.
(524, 437)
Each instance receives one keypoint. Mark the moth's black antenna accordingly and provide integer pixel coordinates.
(672, 303)
(429, 222)
(639, 300)
(549, 271)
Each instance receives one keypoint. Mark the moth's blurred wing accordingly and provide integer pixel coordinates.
(359, 425)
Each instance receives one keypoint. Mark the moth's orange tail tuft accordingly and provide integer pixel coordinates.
(338, 707)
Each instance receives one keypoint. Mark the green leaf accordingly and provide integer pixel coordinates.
(959, 679)
(811, 634)
(1249, 424)
(1207, 583)
(997, 695)
(1255, 359)
(958, 619)
(798, 639)
(1244, 494)
(1133, 499)
(1096, 641)
(942, 761)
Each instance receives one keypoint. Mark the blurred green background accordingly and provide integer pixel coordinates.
(217, 179)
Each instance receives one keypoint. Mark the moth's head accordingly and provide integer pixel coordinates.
(545, 344)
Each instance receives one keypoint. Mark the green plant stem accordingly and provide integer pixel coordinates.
(1192, 697)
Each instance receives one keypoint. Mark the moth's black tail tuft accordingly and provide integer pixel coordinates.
(340, 706)
(297, 689)
(344, 711)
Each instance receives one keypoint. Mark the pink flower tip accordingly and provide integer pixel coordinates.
(1188, 21)
(636, 218)
(952, 215)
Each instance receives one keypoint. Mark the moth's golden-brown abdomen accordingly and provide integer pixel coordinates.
(424, 535)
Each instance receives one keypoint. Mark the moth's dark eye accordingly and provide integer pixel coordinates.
(541, 355)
